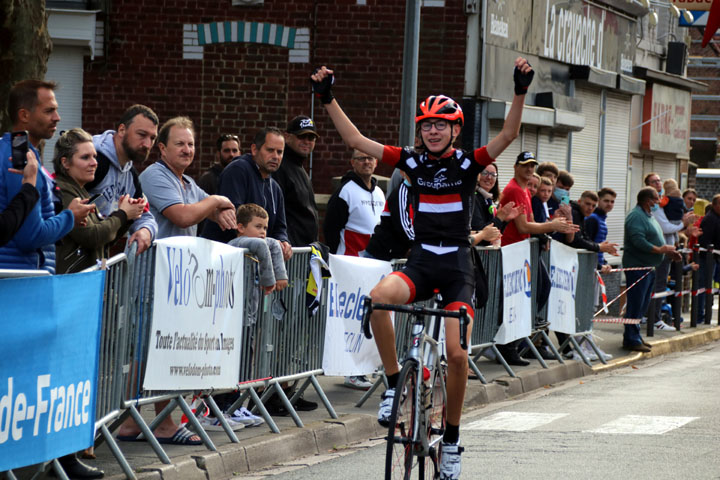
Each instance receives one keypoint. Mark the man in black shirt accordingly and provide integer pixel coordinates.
(300, 208)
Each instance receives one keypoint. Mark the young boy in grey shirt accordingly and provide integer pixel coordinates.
(252, 222)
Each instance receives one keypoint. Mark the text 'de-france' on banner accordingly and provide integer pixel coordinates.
(563, 281)
(347, 351)
(517, 293)
(48, 371)
(198, 313)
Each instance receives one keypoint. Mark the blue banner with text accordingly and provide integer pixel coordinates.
(48, 371)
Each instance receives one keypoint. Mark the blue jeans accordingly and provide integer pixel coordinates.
(638, 299)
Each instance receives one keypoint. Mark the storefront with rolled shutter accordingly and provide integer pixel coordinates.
(663, 143)
(579, 78)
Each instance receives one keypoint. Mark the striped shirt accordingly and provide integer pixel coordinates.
(443, 188)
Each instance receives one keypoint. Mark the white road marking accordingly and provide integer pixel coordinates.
(643, 425)
(514, 421)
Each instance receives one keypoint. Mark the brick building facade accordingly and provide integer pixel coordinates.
(156, 56)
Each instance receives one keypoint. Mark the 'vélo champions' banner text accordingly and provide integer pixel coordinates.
(197, 315)
(48, 372)
(347, 351)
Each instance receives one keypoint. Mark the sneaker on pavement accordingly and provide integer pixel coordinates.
(660, 325)
(359, 382)
(450, 461)
(386, 407)
(243, 415)
(588, 351)
(212, 424)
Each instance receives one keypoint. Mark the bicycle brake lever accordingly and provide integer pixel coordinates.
(367, 310)
(463, 328)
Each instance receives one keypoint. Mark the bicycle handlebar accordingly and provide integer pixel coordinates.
(418, 310)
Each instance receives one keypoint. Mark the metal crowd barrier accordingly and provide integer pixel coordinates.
(585, 300)
(487, 320)
(701, 291)
(287, 343)
(282, 342)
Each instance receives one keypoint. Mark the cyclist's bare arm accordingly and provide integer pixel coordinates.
(347, 130)
(511, 127)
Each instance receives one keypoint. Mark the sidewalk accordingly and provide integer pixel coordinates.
(258, 448)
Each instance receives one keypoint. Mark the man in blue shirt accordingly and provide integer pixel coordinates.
(33, 108)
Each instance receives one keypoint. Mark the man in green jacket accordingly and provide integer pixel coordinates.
(644, 247)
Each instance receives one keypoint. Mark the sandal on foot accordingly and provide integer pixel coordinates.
(182, 436)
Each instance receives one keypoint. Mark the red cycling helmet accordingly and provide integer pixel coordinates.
(440, 106)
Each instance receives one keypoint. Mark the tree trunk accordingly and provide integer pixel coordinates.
(24, 47)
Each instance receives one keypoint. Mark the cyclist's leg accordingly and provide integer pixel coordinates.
(394, 290)
(457, 359)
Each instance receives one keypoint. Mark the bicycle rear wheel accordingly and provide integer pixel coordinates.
(399, 459)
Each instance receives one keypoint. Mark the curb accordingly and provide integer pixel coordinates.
(329, 435)
(663, 347)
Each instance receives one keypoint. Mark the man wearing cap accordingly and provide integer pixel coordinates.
(300, 208)
(516, 191)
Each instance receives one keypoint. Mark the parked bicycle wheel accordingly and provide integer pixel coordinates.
(399, 459)
(435, 409)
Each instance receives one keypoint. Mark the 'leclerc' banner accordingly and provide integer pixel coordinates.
(563, 281)
(347, 351)
(197, 315)
(517, 293)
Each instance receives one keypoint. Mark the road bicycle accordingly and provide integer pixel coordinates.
(417, 421)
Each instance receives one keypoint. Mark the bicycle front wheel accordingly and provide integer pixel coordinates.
(399, 459)
(435, 422)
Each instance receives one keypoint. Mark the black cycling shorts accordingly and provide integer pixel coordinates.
(452, 274)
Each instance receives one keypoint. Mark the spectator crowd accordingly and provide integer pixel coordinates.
(262, 199)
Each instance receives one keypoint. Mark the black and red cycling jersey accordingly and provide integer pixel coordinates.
(443, 190)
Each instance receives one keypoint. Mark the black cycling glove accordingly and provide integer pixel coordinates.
(522, 81)
(323, 89)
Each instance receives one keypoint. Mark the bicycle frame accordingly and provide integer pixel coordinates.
(424, 350)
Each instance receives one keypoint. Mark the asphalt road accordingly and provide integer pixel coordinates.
(657, 419)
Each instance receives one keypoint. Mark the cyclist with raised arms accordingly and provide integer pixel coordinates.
(443, 180)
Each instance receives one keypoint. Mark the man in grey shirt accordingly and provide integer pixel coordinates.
(178, 205)
(176, 202)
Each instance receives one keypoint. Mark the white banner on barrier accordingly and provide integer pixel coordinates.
(347, 351)
(517, 293)
(563, 281)
(198, 312)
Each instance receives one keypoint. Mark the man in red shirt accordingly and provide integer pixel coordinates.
(516, 191)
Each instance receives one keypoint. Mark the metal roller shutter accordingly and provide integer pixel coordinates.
(552, 147)
(529, 139)
(615, 161)
(506, 161)
(585, 144)
(65, 66)
(666, 167)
